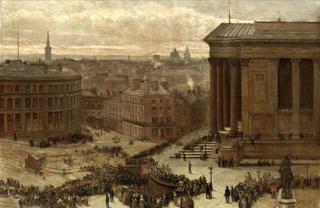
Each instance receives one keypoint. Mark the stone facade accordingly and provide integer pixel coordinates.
(148, 111)
(112, 117)
(264, 79)
(39, 100)
(92, 107)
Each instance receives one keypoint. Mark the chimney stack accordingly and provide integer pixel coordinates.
(154, 85)
(164, 83)
(136, 83)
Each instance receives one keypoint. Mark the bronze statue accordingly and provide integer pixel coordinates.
(286, 177)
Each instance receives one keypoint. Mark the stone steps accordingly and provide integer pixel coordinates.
(208, 147)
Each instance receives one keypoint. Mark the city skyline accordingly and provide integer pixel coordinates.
(134, 28)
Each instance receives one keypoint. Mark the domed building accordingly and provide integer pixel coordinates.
(175, 56)
(38, 100)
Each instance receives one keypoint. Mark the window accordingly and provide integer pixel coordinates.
(40, 88)
(153, 101)
(9, 103)
(28, 102)
(9, 88)
(50, 102)
(28, 88)
(17, 88)
(34, 88)
(34, 102)
(2, 122)
(154, 132)
(2, 87)
(284, 84)
(306, 84)
(154, 120)
(61, 102)
(56, 100)
(1, 103)
(17, 103)
(154, 108)
(168, 119)
(41, 102)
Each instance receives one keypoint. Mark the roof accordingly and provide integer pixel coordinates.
(266, 31)
(145, 89)
(21, 70)
(87, 93)
(189, 98)
(233, 30)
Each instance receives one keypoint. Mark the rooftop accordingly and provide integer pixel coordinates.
(87, 93)
(266, 31)
(22, 70)
(148, 89)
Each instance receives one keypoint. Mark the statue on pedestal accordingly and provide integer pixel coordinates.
(286, 178)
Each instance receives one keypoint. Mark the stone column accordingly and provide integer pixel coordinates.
(213, 94)
(244, 96)
(220, 123)
(295, 98)
(274, 103)
(316, 98)
(226, 92)
(233, 96)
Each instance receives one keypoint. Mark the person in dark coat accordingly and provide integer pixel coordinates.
(111, 192)
(207, 191)
(107, 200)
(227, 194)
(232, 194)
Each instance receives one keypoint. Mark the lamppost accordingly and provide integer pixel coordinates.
(210, 169)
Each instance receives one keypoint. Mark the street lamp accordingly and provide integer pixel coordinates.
(210, 169)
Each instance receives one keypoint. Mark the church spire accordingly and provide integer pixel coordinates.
(18, 43)
(47, 54)
(48, 41)
(229, 16)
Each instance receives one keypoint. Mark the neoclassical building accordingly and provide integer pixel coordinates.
(265, 80)
(39, 101)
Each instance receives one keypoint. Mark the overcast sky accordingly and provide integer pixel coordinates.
(135, 27)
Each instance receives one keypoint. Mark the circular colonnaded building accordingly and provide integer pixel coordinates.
(39, 101)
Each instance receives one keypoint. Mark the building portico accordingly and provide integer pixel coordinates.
(264, 79)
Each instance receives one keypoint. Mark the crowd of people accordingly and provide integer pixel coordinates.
(157, 149)
(247, 192)
(225, 162)
(185, 189)
(72, 193)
